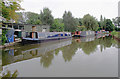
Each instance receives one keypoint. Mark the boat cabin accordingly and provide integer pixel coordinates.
(77, 33)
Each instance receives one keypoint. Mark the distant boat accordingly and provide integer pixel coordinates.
(84, 33)
(38, 37)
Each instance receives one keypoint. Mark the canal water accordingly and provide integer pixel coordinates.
(76, 57)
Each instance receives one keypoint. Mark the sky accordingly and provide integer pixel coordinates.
(107, 8)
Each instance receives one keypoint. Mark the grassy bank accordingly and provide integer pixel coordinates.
(116, 34)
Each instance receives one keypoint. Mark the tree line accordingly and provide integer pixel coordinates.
(66, 23)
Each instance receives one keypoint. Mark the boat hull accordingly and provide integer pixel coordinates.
(26, 41)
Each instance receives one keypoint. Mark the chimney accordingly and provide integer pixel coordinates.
(33, 28)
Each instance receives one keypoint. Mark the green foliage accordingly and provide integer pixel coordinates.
(4, 38)
(57, 26)
(29, 18)
(20, 19)
(46, 16)
(77, 21)
(81, 28)
(80, 22)
(109, 25)
(10, 75)
(116, 21)
(89, 47)
(101, 23)
(46, 60)
(114, 33)
(117, 29)
(33, 18)
(9, 9)
(90, 22)
(69, 51)
(69, 22)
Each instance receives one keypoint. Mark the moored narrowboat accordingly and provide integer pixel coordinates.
(84, 33)
(38, 37)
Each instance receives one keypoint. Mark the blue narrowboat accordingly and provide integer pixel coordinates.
(38, 37)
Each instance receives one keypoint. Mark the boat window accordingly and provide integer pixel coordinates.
(61, 34)
(65, 34)
(41, 35)
(77, 32)
(36, 34)
(30, 35)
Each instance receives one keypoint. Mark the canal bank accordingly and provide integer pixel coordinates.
(17, 41)
(116, 35)
(116, 38)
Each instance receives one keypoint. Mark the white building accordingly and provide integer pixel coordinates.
(119, 9)
(118, 25)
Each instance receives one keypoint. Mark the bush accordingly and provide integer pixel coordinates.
(4, 38)
(81, 28)
(117, 34)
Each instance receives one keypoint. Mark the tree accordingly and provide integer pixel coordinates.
(77, 21)
(46, 16)
(104, 24)
(33, 18)
(4, 38)
(90, 22)
(9, 9)
(29, 18)
(80, 28)
(109, 25)
(80, 21)
(69, 22)
(101, 22)
(20, 18)
(116, 21)
(57, 26)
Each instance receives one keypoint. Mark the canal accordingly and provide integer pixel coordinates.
(76, 57)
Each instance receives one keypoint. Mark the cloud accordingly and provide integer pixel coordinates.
(107, 8)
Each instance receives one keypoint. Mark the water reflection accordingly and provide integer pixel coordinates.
(47, 52)
(10, 74)
(91, 46)
(46, 60)
(69, 51)
(12, 55)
